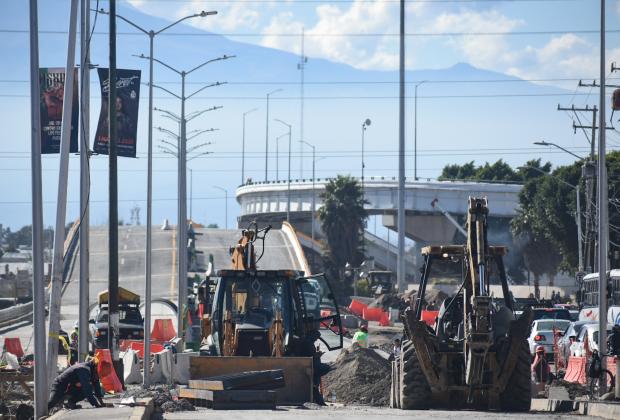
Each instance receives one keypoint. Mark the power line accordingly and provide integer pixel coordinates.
(343, 34)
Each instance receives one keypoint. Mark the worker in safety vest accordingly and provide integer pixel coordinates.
(361, 337)
(78, 382)
(73, 343)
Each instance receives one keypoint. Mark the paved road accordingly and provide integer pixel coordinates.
(278, 254)
(354, 413)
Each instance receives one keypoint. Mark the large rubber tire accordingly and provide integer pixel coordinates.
(517, 397)
(415, 393)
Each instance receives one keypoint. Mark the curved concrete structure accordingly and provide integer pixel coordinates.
(271, 197)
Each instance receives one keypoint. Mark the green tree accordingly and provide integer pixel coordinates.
(343, 219)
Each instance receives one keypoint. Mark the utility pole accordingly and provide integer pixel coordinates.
(603, 202)
(243, 146)
(61, 210)
(614, 68)
(588, 170)
(113, 316)
(41, 391)
(401, 280)
(84, 179)
(301, 66)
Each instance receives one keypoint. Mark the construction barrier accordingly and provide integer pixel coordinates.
(110, 382)
(13, 346)
(162, 367)
(430, 317)
(385, 320)
(372, 314)
(163, 330)
(611, 366)
(325, 313)
(576, 370)
(131, 368)
(356, 307)
(138, 347)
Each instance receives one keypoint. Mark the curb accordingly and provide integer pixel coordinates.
(142, 412)
(597, 409)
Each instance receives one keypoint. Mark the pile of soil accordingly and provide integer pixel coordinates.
(575, 390)
(386, 301)
(179, 405)
(430, 296)
(359, 376)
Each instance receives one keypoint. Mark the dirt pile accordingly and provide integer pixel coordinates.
(359, 376)
(575, 390)
(386, 301)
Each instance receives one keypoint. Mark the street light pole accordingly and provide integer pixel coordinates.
(267, 132)
(415, 131)
(365, 125)
(182, 180)
(278, 156)
(288, 181)
(401, 275)
(243, 146)
(225, 205)
(313, 194)
(41, 391)
(149, 186)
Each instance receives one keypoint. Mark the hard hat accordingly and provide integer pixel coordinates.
(76, 324)
(364, 328)
(540, 349)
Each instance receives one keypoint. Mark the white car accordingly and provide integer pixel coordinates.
(588, 333)
(542, 334)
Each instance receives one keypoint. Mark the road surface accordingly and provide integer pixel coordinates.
(132, 242)
(356, 412)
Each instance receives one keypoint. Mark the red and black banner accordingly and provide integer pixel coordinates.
(52, 82)
(127, 101)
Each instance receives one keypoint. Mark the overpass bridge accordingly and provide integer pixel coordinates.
(267, 202)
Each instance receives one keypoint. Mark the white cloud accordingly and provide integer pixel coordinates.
(483, 51)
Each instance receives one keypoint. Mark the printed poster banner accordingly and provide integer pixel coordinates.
(52, 82)
(127, 101)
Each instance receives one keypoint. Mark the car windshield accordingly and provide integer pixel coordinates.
(551, 314)
(126, 316)
(552, 325)
(595, 335)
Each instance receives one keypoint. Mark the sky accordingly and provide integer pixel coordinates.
(493, 73)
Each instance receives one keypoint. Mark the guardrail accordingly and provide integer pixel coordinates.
(15, 314)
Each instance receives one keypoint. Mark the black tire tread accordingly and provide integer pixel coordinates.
(415, 393)
(517, 397)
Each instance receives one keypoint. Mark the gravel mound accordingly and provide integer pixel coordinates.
(179, 405)
(359, 376)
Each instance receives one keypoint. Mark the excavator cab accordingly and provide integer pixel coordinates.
(262, 312)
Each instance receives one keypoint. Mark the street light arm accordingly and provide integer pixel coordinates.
(205, 87)
(199, 155)
(308, 144)
(548, 174)
(282, 122)
(201, 132)
(274, 91)
(198, 147)
(224, 57)
(545, 143)
(174, 146)
(170, 114)
(167, 151)
(201, 14)
(165, 130)
(250, 111)
(167, 91)
(199, 113)
(171, 118)
(146, 57)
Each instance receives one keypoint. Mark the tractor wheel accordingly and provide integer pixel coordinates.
(415, 393)
(518, 395)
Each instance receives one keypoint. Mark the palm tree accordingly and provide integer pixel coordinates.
(343, 219)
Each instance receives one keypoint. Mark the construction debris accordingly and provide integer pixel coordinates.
(266, 379)
(359, 376)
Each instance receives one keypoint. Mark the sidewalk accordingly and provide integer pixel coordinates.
(142, 412)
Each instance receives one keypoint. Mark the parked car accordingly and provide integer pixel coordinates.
(589, 333)
(130, 323)
(551, 313)
(569, 337)
(542, 334)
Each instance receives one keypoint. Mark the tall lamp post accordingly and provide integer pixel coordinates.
(278, 155)
(313, 192)
(149, 183)
(243, 146)
(415, 130)
(182, 182)
(288, 181)
(267, 132)
(365, 125)
(225, 205)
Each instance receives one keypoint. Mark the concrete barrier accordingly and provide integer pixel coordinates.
(131, 368)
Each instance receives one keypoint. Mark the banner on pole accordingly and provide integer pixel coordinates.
(52, 85)
(127, 101)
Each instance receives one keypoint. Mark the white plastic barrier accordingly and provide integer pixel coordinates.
(180, 370)
(131, 367)
(162, 367)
